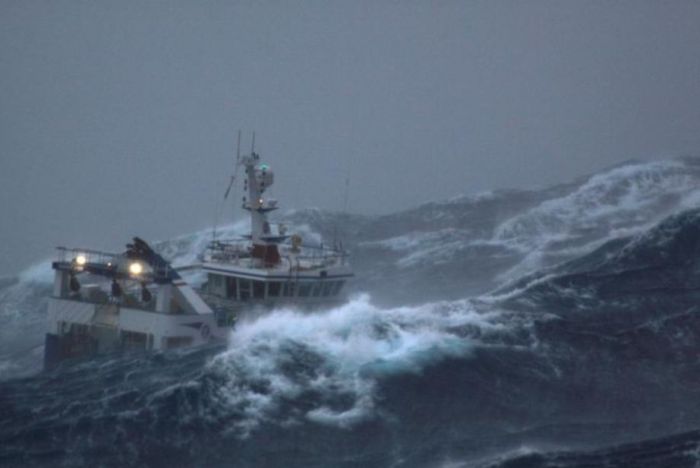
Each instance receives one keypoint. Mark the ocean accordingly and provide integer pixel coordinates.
(556, 327)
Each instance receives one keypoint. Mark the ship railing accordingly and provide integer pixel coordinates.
(97, 295)
(78, 258)
(238, 251)
(74, 255)
(226, 251)
(322, 255)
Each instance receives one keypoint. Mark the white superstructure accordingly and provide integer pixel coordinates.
(104, 302)
(270, 267)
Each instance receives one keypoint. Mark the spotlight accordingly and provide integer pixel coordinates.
(136, 268)
(80, 260)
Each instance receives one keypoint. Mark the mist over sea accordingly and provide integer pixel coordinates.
(515, 328)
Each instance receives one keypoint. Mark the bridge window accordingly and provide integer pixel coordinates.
(327, 288)
(288, 290)
(217, 284)
(244, 289)
(304, 290)
(214, 280)
(337, 287)
(317, 289)
(231, 287)
(273, 289)
(258, 290)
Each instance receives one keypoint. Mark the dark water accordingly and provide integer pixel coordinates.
(594, 362)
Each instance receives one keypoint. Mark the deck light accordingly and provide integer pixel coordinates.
(135, 268)
(80, 260)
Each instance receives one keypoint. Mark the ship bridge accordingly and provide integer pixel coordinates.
(269, 266)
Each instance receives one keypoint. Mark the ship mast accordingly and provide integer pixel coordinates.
(259, 177)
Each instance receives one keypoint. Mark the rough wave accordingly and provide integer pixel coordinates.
(344, 351)
(591, 359)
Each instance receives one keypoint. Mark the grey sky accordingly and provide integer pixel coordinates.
(119, 118)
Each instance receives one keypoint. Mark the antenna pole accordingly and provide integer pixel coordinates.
(216, 222)
(345, 201)
(252, 149)
(238, 148)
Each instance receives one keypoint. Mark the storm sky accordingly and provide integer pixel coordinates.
(120, 118)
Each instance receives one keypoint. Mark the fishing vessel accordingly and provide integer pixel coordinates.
(136, 301)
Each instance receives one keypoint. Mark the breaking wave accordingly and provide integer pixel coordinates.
(284, 370)
(572, 365)
(343, 352)
(620, 202)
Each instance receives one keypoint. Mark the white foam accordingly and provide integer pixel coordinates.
(347, 349)
(690, 200)
(624, 200)
(484, 195)
(624, 189)
(432, 247)
(39, 273)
